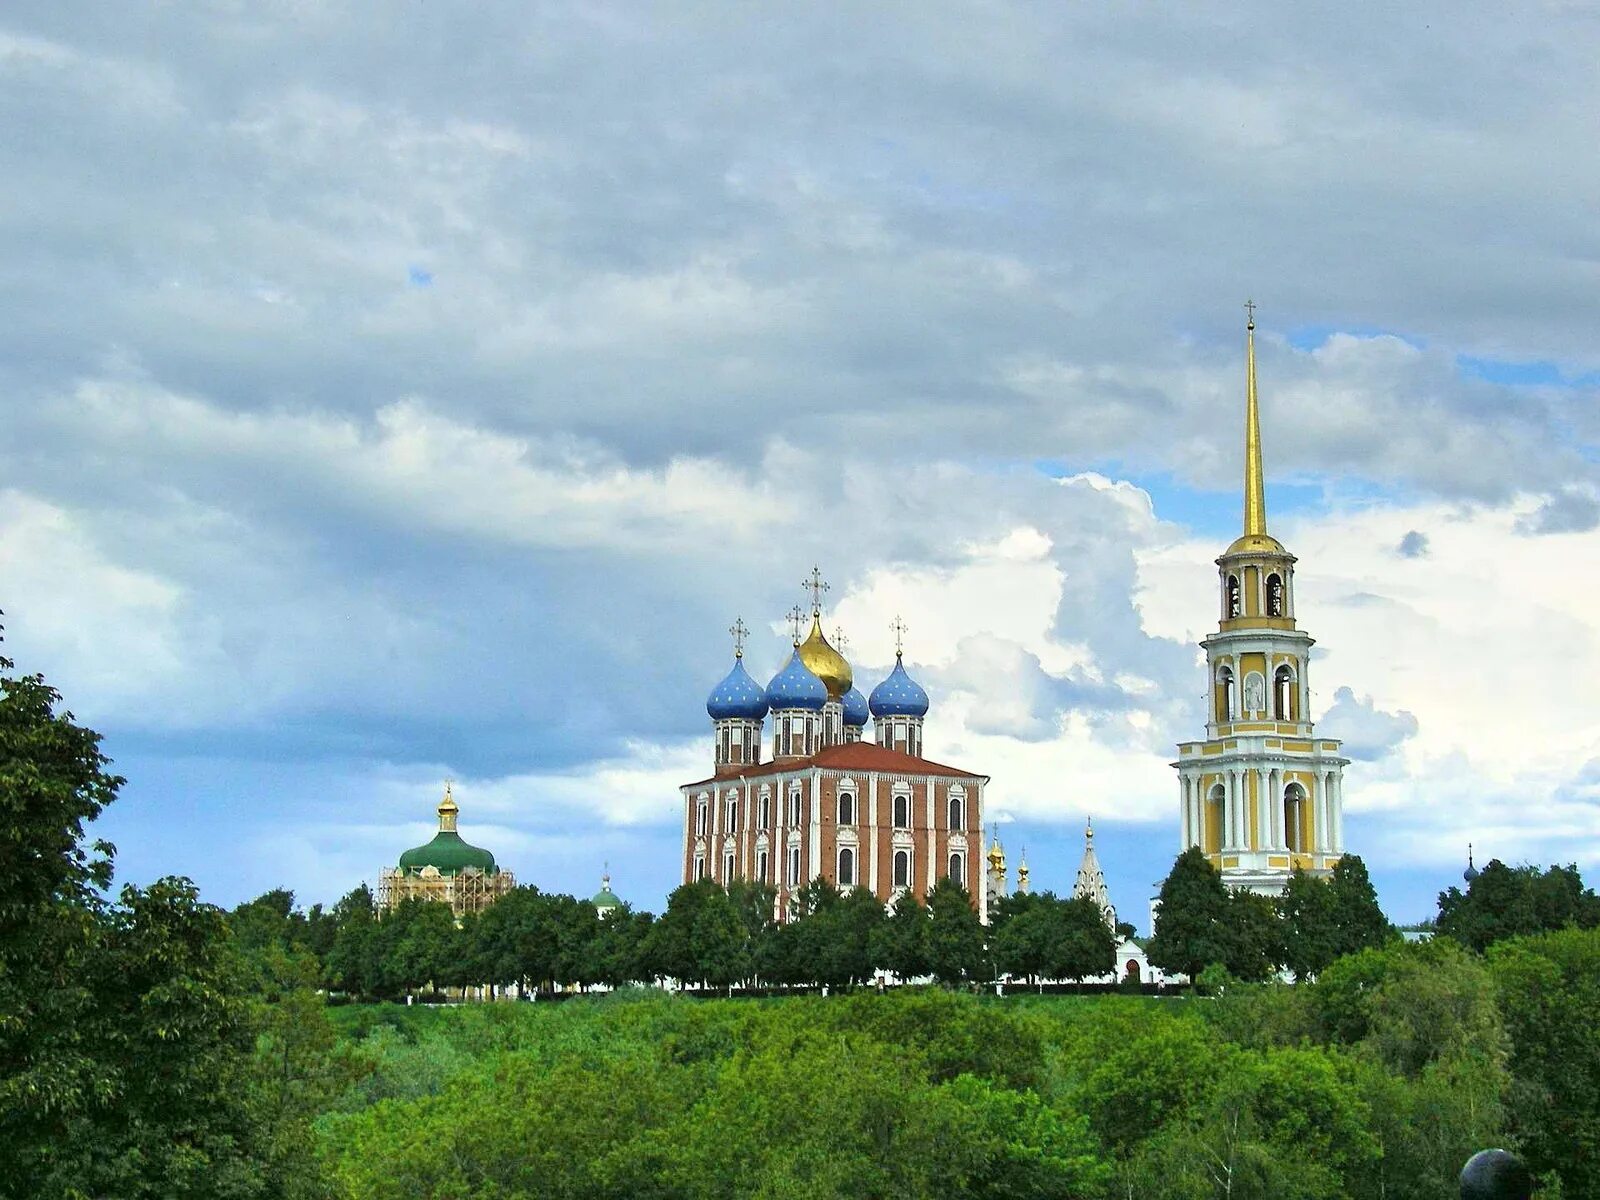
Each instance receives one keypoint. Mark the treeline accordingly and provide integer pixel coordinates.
(708, 937)
(715, 938)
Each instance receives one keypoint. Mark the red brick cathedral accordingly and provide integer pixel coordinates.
(828, 803)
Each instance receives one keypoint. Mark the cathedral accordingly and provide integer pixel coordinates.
(819, 800)
(448, 869)
(1262, 794)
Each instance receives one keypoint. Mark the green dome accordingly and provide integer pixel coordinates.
(605, 898)
(449, 855)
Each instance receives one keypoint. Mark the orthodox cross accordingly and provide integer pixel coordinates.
(796, 617)
(840, 642)
(1250, 314)
(739, 633)
(898, 627)
(816, 587)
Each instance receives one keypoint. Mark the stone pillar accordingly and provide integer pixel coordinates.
(1319, 811)
(1337, 813)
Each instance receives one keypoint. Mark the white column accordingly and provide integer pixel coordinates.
(1319, 811)
(1275, 799)
(872, 834)
(1184, 789)
(814, 849)
(1263, 808)
(1235, 821)
(1337, 813)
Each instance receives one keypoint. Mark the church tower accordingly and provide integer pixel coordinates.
(1262, 794)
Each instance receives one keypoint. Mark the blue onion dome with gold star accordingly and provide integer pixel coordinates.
(737, 697)
(448, 853)
(796, 687)
(899, 695)
(855, 708)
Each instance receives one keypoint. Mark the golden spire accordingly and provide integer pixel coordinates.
(1255, 489)
(447, 811)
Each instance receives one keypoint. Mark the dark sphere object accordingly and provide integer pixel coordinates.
(1495, 1175)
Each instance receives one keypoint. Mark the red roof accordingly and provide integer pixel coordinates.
(852, 756)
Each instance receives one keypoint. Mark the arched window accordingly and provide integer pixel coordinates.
(794, 865)
(794, 808)
(1230, 598)
(847, 808)
(1283, 694)
(956, 815)
(958, 869)
(902, 812)
(847, 867)
(727, 867)
(1227, 697)
(765, 811)
(702, 815)
(1274, 595)
(699, 867)
(733, 814)
(761, 867)
(1293, 807)
(1219, 822)
(902, 868)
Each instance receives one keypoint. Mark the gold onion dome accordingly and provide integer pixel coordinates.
(826, 663)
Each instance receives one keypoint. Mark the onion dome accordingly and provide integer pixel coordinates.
(737, 696)
(855, 708)
(823, 661)
(796, 687)
(447, 853)
(899, 695)
(1471, 872)
(605, 900)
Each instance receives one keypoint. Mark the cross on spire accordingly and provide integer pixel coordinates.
(840, 642)
(796, 617)
(898, 628)
(816, 587)
(1250, 314)
(739, 633)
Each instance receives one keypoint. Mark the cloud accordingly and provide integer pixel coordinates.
(1568, 510)
(382, 398)
(1368, 733)
(1413, 545)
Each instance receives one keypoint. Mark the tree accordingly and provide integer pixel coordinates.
(1191, 926)
(669, 951)
(1549, 991)
(1081, 943)
(1358, 921)
(1310, 934)
(1251, 941)
(901, 942)
(1504, 902)
(719, 943)
(124, 1035)
(954, 934)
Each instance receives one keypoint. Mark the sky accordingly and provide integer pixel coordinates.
(395, 393)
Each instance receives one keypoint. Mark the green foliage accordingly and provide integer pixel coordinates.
(1504, 902)
(1191, 929)
(900, 943)
(1041, 936)
(1549, 992)
(954, 935)
(124, 1033)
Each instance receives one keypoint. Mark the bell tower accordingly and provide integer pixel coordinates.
(1262, 794)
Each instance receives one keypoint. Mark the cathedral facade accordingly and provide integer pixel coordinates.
(799, 791)
(1262, 794)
